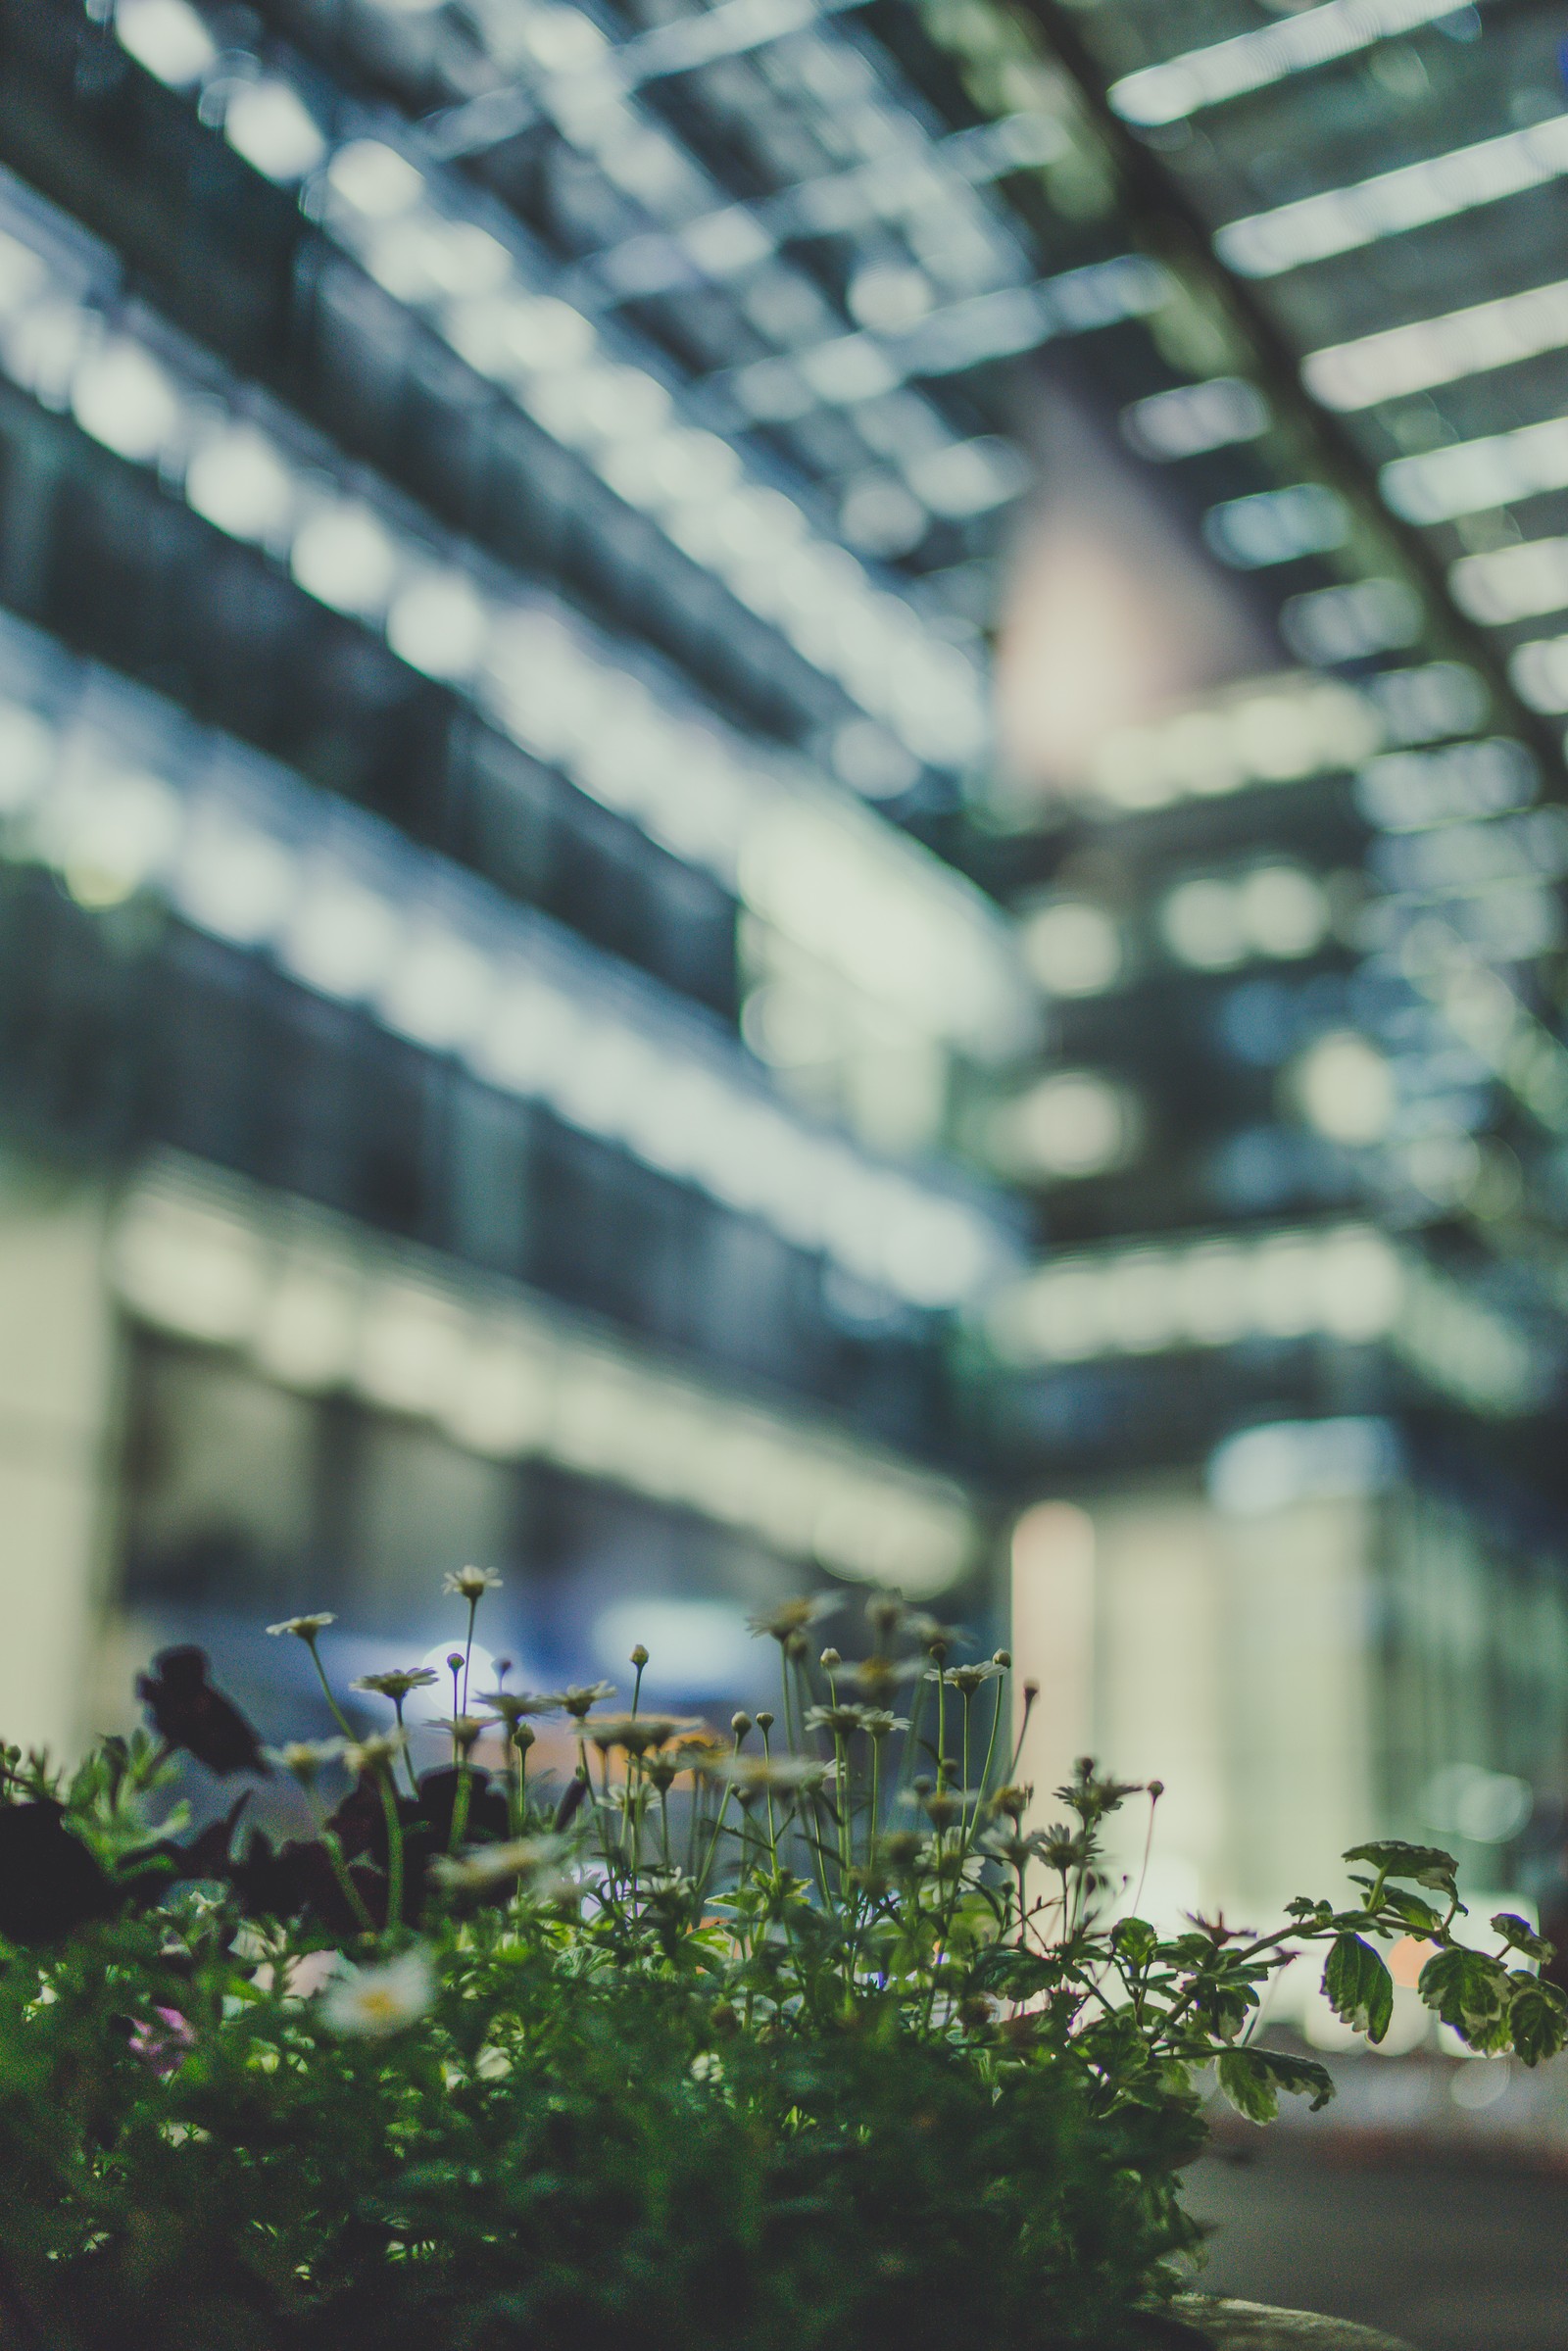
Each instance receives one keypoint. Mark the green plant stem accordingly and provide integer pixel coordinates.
(459, 1805)
(1029, 1698)
(394, 1848)
(912, 1738)
(784, 1686)
(841, 1791)
(341, 1870)
(517, 1787)
(772, 1826)
(713, 1843)
(601, 1802)
(468, 1651)
(634, 1822)
(407, 1759)
(985, 1768)
(339, 1715)
(873, 1817)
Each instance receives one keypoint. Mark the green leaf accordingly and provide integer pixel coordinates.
(1136, 1941)
(1392, 1857)
(1248, 2084)
(1519, 1934)
(1410, 1909)
(1358, 1986)
(1015, 1974)
(1469, 1990)
(1252, 2078)
(1537, 2020)
(1303, 2077)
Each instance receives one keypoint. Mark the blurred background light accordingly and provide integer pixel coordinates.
(1346, 1089)
(167, 37)
(1072, 947)
(1193, 418)
(1072, 1126)
(1277, 526)
(1277, 1463)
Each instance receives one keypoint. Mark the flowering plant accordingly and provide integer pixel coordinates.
(801, 2033)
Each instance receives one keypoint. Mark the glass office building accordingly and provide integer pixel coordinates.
(782, 801)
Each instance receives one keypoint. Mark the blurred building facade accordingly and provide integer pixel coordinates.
(543, 1016)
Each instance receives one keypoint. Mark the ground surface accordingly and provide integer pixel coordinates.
(1452, 2257)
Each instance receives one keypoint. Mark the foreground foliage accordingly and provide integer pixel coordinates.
(799, 2035)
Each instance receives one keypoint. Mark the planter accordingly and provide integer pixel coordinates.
(1252, 2327)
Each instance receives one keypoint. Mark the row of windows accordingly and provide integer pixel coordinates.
(232, 262)
(121, 1032)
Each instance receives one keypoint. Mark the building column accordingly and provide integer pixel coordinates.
(57, 1390)
(1054, 1646)
(1301, 1685)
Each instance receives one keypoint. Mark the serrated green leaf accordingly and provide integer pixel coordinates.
(1252, 2078)
(1392, 1857)
(1249, 2084)
(1410, 1909)
(1303, 2077)
(1469, 1991)
(1015, 1974)
(1519, 1934)
(1136, 1941)
(1358, 1986)
(1537, 2020)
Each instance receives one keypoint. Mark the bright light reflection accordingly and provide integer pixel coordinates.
(1181, 85)
(422, 1708)
(1342, 219)
(169, 38)
(1399, 360)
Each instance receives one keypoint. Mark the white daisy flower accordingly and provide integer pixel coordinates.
(471, 1583)
(303, 1628)
(371, 2003)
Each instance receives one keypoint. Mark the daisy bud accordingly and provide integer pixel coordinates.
(1002, 1657)
(740, 1724)
(830, 1661)
(639, 1656)
(764, 1722)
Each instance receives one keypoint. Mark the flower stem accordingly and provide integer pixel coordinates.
(713, 1843)
(394, 1848)
(468, 1649)
(407, 1759)
(339, 1715)
(340, 1871)
(516, 1786)
(459, 1805)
